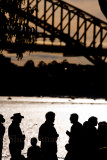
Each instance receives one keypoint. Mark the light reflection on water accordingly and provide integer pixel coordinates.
(34, 109)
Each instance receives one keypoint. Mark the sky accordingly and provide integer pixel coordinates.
(90, 6)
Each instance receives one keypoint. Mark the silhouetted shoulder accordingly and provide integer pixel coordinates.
(34, 153)
(47, 129)
(36, 149)
(79, 124)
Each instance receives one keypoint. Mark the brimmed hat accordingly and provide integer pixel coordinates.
(17, 116)
(2, 118)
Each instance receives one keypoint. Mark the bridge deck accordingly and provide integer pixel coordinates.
(74, 51)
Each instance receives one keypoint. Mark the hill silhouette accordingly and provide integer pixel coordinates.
(53, 79)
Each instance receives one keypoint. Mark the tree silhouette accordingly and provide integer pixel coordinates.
(11, 23)
(41, 64)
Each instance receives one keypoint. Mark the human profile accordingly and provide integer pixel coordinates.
(48, 137)
(16, 137)
(2, 131)
(74, 145)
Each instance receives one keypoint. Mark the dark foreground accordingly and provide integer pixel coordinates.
(53, 79)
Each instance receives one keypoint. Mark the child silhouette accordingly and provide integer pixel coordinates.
(34, 151)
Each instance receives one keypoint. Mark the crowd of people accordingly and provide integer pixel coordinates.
(86, 141)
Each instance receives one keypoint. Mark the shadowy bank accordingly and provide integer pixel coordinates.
(53, 79)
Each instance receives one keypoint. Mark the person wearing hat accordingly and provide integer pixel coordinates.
(16, 137)
(2, 131)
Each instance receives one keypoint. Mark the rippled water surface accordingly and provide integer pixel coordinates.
(34, 109)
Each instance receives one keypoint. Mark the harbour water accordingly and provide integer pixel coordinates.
(34, 108)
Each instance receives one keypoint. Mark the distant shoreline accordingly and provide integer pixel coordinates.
(53, 80)
(56, 96)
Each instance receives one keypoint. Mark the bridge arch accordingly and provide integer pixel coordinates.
(60, 26)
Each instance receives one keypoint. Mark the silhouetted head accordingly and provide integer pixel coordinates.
(85, 124)
(33, 141)
(102, 127)
(74, 118)
(102, 123)
(2, 120)
(50, 116)
(30, 64)
(17, 117)
(93, 121)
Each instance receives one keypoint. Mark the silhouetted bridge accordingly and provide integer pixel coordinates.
(60, 27)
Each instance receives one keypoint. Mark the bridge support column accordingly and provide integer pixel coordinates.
(94, 35)
(69, 24)
(101, 37)
(53, 18)
(78, 20)
(36, 14)
(85, 35)
(61, 26)
(44, 20)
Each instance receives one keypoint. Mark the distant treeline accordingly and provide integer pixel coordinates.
(53, 79)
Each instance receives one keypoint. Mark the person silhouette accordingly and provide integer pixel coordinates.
(16, 137)
(48, 137)
(102, 139)
(74, 147)
(102, 134)
(92, 138)
(34, 152)
(2, 131)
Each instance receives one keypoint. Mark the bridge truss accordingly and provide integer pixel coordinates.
(57, 25)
